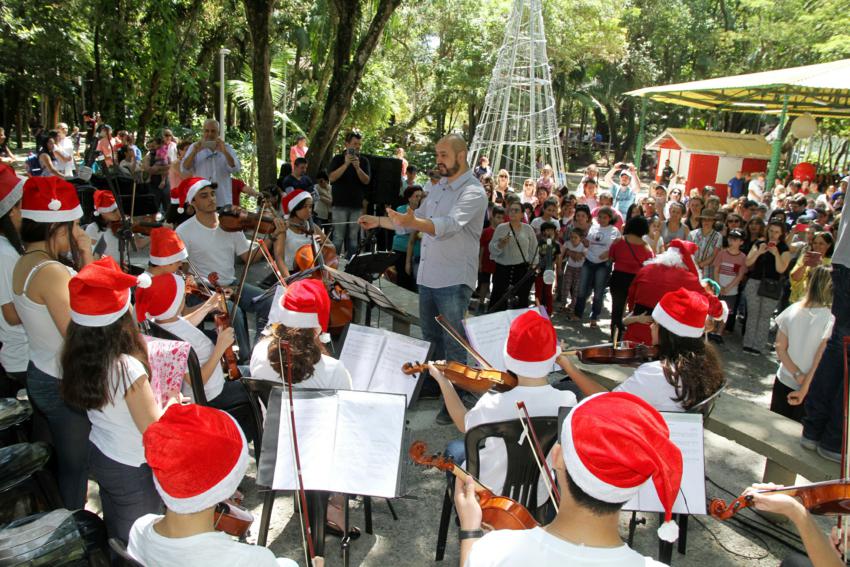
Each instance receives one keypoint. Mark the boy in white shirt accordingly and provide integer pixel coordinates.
(574, 251)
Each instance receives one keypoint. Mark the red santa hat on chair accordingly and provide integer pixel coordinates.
(100, 293)
(610, 459)
(162, 300)
(198, 456)
(187, 190)
(684, 312)
(11, 188)
(104, 202)
(166, 247)
(291, 200)
(306, 305)
(50, 199)
(532, 345)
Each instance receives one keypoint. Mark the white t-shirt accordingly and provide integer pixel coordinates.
(805, 328)
(569, 247)
(755, 191)
(600, 238)
(212, 249)
(203, 347)
(329, 373)
(209, 549)
(535, 224)
(113, 430)
(112, 244)
(14, 354)
(66, 148)
(492, 407)
(539, 548)
(648, 382)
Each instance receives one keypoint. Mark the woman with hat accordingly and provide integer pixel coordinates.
(105, 372)
(14, 354)
(51, 233)
(297, 209)
(688, 369)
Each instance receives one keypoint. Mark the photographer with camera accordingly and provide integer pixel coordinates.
(349, 177)
(624, 185)
(213, 160)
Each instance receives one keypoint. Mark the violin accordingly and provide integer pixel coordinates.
(497, 512)
(231, 518)
(222, 321)
(143, 226)
(192, 288)
(237, 220)
(624, 352)
(828, 498)
(475, 380)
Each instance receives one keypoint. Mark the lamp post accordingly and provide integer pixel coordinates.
(222, 118)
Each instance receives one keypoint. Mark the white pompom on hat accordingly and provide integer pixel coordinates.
(11, 188)
(104, 202)
(611, 459)
(100, 293)
(532, 345)
(50, 199)
(198, 456)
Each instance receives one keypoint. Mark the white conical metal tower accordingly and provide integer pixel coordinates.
(519, 122)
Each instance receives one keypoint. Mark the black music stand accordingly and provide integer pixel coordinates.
(370, 265)
(361, 289)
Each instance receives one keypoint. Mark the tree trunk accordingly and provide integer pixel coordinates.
(259, 13)
(347, 74)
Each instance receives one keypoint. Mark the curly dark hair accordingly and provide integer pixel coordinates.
(690, 365)
(306, 349)
(88, 355)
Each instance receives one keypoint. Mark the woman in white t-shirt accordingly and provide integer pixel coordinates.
(14, 352)
(688, 369)
(596, 268)
(105, 372)
(803, 331)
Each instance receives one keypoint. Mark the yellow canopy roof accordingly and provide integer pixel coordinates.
(820, 90)
(715, 143)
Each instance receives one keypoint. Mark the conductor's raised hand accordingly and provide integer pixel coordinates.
(404, 220)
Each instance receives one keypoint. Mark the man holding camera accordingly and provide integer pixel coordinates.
(213, 160)
(349, 177)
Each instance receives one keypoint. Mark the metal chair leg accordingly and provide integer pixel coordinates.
(443, 531)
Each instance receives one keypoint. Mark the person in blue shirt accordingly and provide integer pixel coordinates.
(737, 185)
(625, 189)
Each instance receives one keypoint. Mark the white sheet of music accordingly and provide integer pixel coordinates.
(488, 333)
(686, 432)
(348, 442)
(374, 358)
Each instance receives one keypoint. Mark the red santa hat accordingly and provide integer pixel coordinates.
(100, 293)
(104, 202)
(11, 188)
(198, 456)
(166, 247)
(50, 199)
(291, 200)
(306, 305)
(187, 190)
(683, 312)
(532, 345)
(162, 299)
(686, 250)
(610, 459)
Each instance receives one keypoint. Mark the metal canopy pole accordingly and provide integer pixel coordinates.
(777, 147)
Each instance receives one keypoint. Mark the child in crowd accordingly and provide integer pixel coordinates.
(486, 266)
(574, 251)
(549, 214)
(550, 259)
(730, 265)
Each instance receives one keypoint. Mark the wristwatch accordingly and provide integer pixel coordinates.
(470, 534)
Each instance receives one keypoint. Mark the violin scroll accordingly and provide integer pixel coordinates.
(410, 368)
(722, 511)
(417, 454)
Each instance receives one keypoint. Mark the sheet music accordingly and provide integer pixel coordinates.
(686, 432)
(360, 354)
(314, 417)
(387, 376)
(488, 333)
(368, 443)
(348, 442)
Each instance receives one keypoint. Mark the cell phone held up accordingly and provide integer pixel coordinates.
(352, 152)
(210, 144)
(812, 259)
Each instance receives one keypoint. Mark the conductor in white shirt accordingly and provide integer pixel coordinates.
(213, 160)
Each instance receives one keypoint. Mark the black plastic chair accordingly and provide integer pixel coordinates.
(258, 393)
(124, 557)
(522, 475)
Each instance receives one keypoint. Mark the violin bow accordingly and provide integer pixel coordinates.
(463, 342)
(251, 253)
(264, 250)
(304, 518)
(200, 280)
(537, 450)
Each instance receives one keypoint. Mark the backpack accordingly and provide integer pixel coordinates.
(34, 167)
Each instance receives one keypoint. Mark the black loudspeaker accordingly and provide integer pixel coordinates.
(384, 180)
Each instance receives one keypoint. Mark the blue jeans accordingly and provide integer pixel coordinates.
(450, 302)
(594, 278)
(346, 233)
(456, 451)
(69, 429)
(824, 402)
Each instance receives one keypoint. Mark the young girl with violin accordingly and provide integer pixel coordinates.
(530, 351)
(105, 372)
(107, 221)
(300, 231)
(688, 369)
(163, 303)
(51, 233)
(14, 351)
